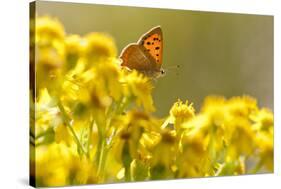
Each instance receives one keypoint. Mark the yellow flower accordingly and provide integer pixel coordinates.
(48, 71)
(212, 101)
(180, 113)
(64, 166)
(139, 123)
(50, 54)
(195, 159)
(212, 137)
(265, 145)
(242, 139)
(109, 76)
(49, 59)
(242, 106)
(74, 45)
(215, 108)
(98, 97)
(141, 88)
(84, 92)
(150, 139)
(263, 119)
(165, 142)
(48, 29)
(96, 87)
(229, 123)
(50, 41)
(82, 171)
(99, 45)
(182, 110)
(263, 126)
(74, 87)
(134, 132)
(52, 165)
(196, 128)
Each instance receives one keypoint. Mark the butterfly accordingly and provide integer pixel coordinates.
(146, 55)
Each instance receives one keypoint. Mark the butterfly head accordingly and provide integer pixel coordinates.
(162, 73)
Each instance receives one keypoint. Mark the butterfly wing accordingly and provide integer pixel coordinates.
(134, 57)
(152, 42)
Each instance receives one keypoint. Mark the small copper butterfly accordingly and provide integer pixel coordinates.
(146, 55)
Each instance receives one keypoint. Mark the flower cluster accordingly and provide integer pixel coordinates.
(94, 123)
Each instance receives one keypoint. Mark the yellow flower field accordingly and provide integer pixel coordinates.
(94, 123)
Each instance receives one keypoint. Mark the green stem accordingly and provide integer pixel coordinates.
(127, 159)
(90, 137)
(128, 174)
(212, 144)
(102, 160)
(102, 146)
(100, 136)
(67, 122)
(101, 154)
(100, 149)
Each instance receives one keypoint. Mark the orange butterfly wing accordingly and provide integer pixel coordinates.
(135, 57)
(152, 41)
(145, 55)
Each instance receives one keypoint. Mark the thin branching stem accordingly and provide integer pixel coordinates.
(67, 120)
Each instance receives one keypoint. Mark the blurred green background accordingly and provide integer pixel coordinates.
(218, 53)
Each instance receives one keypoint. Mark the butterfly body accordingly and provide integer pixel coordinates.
(145, 56)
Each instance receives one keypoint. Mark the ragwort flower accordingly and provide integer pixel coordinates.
(50, 53)
(99, 46)
(179, 113)
(48, 30)
(140, 87)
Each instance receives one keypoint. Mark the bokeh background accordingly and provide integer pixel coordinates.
(218, 53)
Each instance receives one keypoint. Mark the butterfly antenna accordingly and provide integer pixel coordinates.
(171, 68)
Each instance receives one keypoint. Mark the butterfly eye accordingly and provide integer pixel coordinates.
(162, 72)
